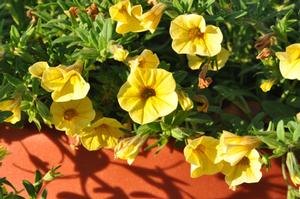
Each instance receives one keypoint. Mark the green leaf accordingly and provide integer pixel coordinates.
(43, 110)
(13, 80)
(4, 115)
(149, 128)
(178, 134)
(280, 131)
(296, 134)
(44, 194)
(179, 76)
(29, 188)
(37, 181)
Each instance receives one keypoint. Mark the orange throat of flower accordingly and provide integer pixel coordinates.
(148, 92)
(69, 114)
(195, 33)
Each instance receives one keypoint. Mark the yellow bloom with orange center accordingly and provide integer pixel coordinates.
(103, 133)
(127, 17)
(289, 62)
(195, 61)
(191, 36)
(201, 153)
(185, 102)
(72, 116)
(147, 59)
(233, 148)
(151, 18)
(13, 106)
(246, 170)
(267, 84)
(119, 53)
(38, 68)
(148, 94)
(129, 148)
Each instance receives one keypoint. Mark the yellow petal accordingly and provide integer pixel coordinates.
(222, 58)
(14, 107)
(52, 79)
(213, 38)
(37, 69)
(195, 61)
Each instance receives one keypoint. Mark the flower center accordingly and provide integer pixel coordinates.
(69, 114)
(148, 92)
(195, 33)
(244, 162)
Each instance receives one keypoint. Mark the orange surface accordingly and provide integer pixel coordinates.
(98, 175)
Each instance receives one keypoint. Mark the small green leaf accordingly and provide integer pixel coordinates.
(280, 131)
(149, 128)
(29, 188)
(296, 134)
(44, 194)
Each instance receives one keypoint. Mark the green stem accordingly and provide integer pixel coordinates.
(287, 92)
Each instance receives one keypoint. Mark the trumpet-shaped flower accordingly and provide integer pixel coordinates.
(119, 53)
(191, 36)
(14, 107)
(104, 132)
(147, 59)
(185, 102)
(74, 87)
(266, 85)
(151, 18)
(128, 148)
(201, 153)
(38, 68)
(53, 78)
(247, 170)
(72, 116)
(233, 148)
(127, 17)
(289, 62)
(148, 94)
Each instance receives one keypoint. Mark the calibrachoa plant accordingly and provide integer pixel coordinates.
(219, 78)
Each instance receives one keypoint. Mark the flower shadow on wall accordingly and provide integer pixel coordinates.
(87, 166)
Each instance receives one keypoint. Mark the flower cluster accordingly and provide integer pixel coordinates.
(114, 75)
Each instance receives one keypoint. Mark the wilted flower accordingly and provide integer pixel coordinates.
(72, 116)
(265, 53)
(191, 36)
(289, 63)
(38, 68)
(246, 170)
(128, 148)
(202, 103)
(127, 17)
(104, 132)
(185, 102)
(201, 153)
(233, 148)
(148, 94)
(13, 106)
(264, 41)
(151, 18)
(119, 53)
(267, 84)
(147, 59)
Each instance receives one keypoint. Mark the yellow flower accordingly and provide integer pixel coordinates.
(128, 148)
(74, 87)
(191, 36)
(201, 153)
(247, 170)
(37, 69)
(233, 148)
(185, 102)
(147, 59)
(14, 107)
(127, 17)
(72, 116)
(53, 78)
(119, 53)
(104, 132)
(289, 62)
(195, 61)
(266, 85)
(148, 94)
(151, 18)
